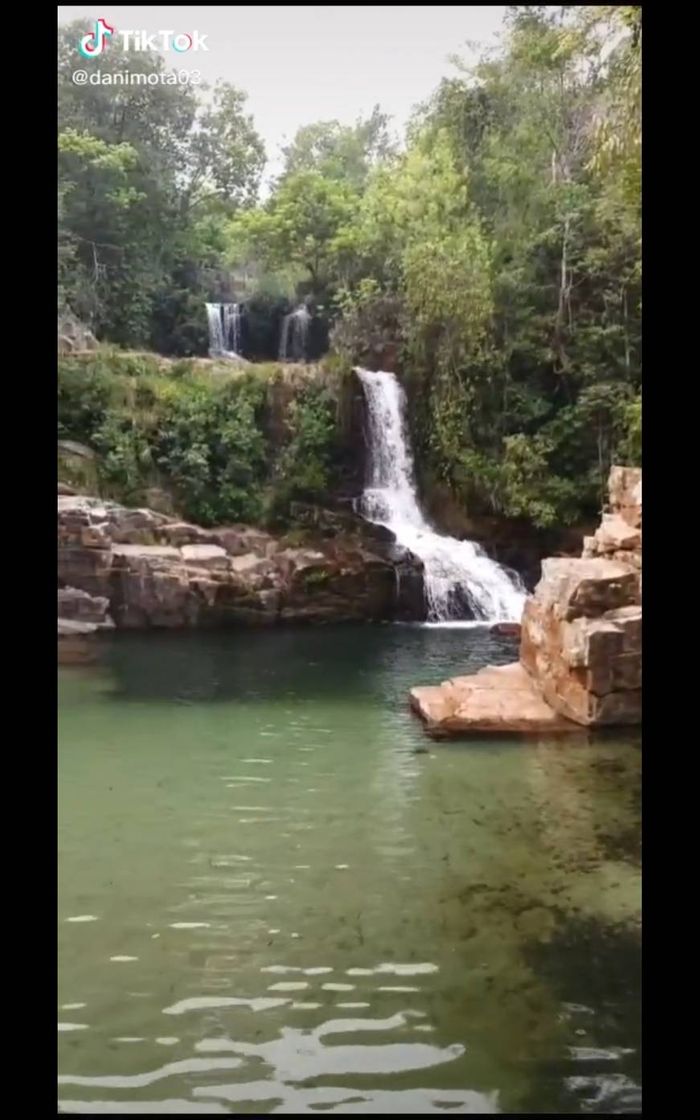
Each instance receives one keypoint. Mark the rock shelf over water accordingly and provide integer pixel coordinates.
(143, 569)
(581, 641)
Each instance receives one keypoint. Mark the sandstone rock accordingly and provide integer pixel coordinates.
(64, 488)
(77, 606)
(150, 587)
(147, 552)
(88, 569)
(578, 661)
(240, 540)
(178, 533)
(574, 587)
(581, 639)
(506, 629)
(629, 621)
(133, 526)
(157, 571)
(205, 556)
(69, 627)
(249, 562)
(625, 488)
(495, 700)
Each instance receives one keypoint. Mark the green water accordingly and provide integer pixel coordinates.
(273, 898)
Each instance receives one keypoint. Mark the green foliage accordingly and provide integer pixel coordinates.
(212, 450)
(496, 261)
(303, 468)
(507, 242)
(208, 436)
(148, 178)
(297, 226)
(341, 152)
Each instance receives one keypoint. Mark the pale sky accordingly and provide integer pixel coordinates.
(300, 64)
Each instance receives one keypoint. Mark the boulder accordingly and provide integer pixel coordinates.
(573, 587)
(581, 644)
(506, 629)
(78, 606)
(178, 533)
(625, 490)
(205, 556)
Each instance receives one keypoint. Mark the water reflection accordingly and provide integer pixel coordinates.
(261, 874)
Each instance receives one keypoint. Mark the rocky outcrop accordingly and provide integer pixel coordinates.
(75, 605)
(80, 617)
(74, 336)
(619, 536)
(496, 699)
(155, 571)
(581, 640)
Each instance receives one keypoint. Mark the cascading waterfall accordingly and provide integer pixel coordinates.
(294, 336)
(457, 574)
(225, 336)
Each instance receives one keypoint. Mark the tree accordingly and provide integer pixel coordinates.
(147, 179)
(297, 226)
(343, 152)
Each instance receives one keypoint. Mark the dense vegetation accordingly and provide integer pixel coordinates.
(496, 253)
(221, 446)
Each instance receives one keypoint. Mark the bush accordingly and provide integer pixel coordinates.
(228, 446)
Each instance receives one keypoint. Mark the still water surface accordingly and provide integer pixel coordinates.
(274, 898)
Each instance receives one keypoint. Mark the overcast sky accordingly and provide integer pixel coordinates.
(300, 64)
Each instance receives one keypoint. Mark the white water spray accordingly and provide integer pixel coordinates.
(456, 573)
(224, 330)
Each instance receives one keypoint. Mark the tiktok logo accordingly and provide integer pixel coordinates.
(92, 45)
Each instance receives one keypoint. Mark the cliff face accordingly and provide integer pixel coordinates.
(143, 569)
(582, 629)
(581, 642)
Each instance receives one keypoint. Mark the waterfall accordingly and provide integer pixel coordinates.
(225, 336)
(457, 574)
(294, 337)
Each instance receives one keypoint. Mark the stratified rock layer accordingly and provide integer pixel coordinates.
(155, 571)
(581, 641)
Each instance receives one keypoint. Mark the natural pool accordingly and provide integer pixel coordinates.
(276, 895)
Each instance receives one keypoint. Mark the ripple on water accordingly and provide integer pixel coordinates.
(169, 1108)
(397, 1102)
(141, 1080)
(205, 1003)
(416, 852)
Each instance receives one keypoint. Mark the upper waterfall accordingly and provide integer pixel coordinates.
(225, 335)
(457, 574)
